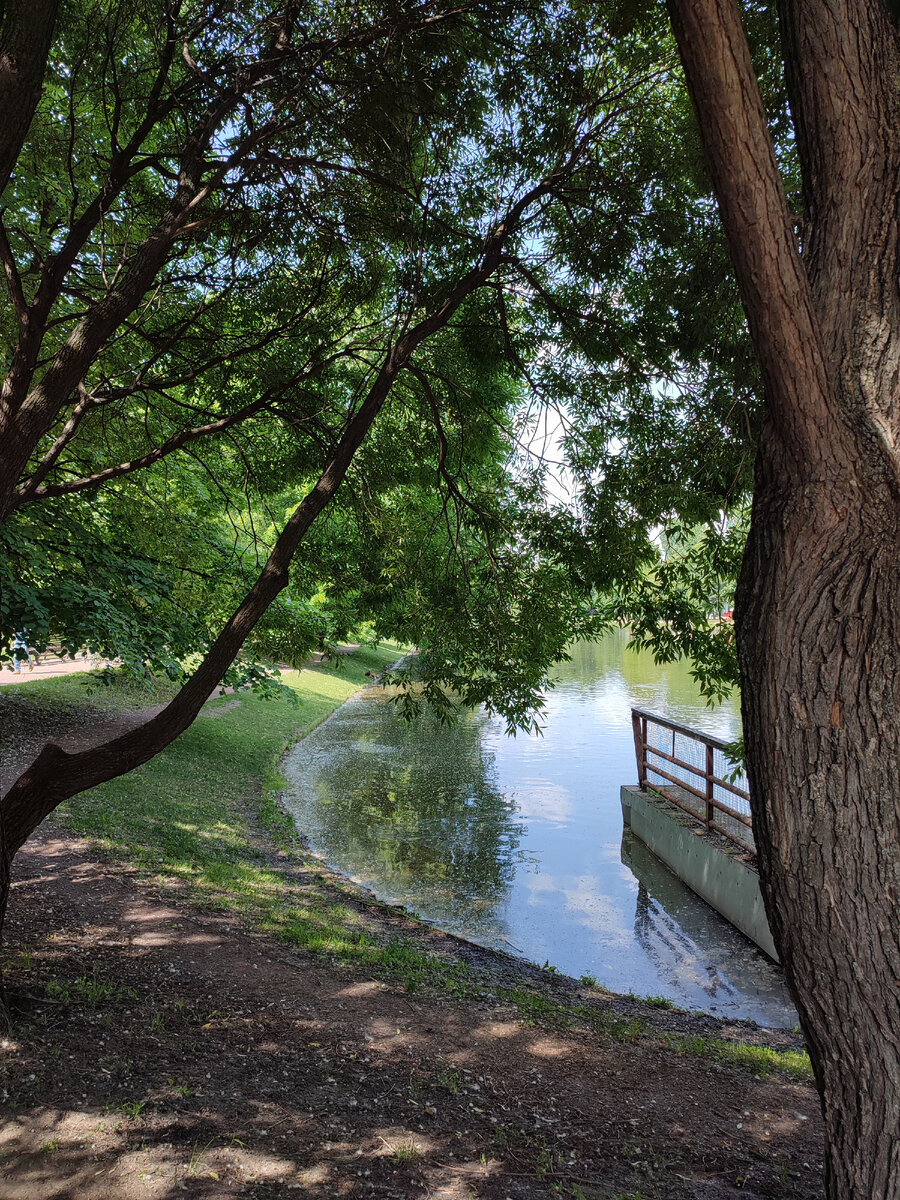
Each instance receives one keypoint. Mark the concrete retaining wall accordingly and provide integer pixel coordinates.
(723, 881)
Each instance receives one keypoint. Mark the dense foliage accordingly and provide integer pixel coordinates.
(308, 189)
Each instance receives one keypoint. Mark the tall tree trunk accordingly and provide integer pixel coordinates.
(819, 632)
(818, 612)
(26, 30)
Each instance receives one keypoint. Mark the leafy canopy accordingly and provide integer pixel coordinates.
(312, 184)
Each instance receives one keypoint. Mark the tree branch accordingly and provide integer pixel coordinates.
(31, 491)
(772, 281)
(85, 402)
(13, 279)
(453, 488)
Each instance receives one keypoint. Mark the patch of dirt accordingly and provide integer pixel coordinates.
(197, 1056)
(28, 725)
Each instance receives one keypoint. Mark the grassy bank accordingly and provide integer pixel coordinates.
(202, 820)
(203, 817)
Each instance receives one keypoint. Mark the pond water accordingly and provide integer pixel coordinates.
(518, 843)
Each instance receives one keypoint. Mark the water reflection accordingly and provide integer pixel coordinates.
(519, 842)
(416, 809)
(686, 939)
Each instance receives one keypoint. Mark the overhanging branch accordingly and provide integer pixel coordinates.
(31, 492)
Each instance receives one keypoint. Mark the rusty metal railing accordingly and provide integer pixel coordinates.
(689, 769)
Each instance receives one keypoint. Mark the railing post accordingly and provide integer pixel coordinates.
(710, 772)
(639, 730)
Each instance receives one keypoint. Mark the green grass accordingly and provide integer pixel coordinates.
(426, 971)
(66, 691)
(762, 1060)
(192, 811)
(90, 990)
(130, 1108)
(406, 1152)
(534, 1007)
(204, 817)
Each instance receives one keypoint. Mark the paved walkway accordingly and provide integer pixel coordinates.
(50, 665)
(54, 664)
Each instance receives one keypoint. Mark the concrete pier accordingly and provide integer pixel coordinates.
(725, 882)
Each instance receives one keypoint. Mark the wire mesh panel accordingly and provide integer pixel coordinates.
(725, 768)
(695, 772)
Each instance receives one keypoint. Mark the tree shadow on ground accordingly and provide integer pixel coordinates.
(177, 1052)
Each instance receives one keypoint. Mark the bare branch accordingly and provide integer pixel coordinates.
(85, 402)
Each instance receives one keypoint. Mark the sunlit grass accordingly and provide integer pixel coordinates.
(535, 1006)
(762, 1060)
(204, 816)
(84, 687)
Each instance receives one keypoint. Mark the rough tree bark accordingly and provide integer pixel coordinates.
(818, 618)
(26, 30)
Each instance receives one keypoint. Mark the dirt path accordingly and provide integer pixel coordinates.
(49, 666)
(196, 1056)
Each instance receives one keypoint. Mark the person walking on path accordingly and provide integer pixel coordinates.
(20, 650)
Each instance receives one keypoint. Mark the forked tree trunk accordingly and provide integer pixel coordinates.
(818, 611)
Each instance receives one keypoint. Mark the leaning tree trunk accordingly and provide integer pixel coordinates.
(818, 610)
(56, 775)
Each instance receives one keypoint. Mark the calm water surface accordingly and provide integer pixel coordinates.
(518, 842)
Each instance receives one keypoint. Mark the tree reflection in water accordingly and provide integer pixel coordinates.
(517, 842)
(416, 806)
